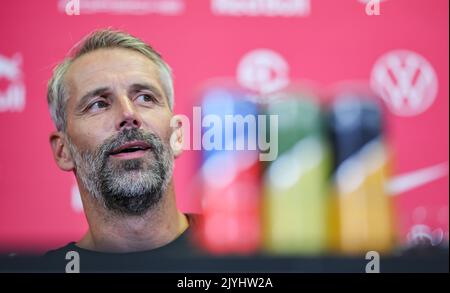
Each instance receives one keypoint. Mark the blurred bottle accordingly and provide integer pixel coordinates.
(295, 184)
(230, 221)
(364, 211)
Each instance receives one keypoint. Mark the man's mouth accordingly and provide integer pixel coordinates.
(131, 150)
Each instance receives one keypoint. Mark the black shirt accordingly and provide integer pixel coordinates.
(166, 258)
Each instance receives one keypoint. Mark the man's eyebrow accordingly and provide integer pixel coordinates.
(91, 94)
(145, 86)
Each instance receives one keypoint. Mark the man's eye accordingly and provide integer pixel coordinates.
(145, 98)
(98, 105)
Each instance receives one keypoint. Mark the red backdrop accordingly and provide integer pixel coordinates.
(326, 41)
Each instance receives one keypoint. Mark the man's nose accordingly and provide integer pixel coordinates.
(128, 115)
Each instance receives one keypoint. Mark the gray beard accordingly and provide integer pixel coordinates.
(125, 187)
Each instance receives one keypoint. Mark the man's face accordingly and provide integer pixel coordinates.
(118, 126)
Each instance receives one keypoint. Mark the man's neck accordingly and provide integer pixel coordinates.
(117, 233)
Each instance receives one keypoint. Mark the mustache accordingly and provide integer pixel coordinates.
(130, 135)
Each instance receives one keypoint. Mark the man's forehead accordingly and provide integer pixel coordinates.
(107, 67)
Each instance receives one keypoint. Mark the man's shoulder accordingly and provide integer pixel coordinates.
(61, 250)
(55, 260)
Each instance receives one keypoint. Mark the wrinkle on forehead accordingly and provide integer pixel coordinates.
(116, 67)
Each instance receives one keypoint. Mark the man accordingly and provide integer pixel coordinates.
(112, 104)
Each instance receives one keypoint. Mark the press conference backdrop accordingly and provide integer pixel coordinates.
(362, 97)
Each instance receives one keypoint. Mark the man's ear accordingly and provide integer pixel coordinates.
(61, 152)
(177, 138)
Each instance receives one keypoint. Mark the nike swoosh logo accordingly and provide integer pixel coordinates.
(413, 179)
